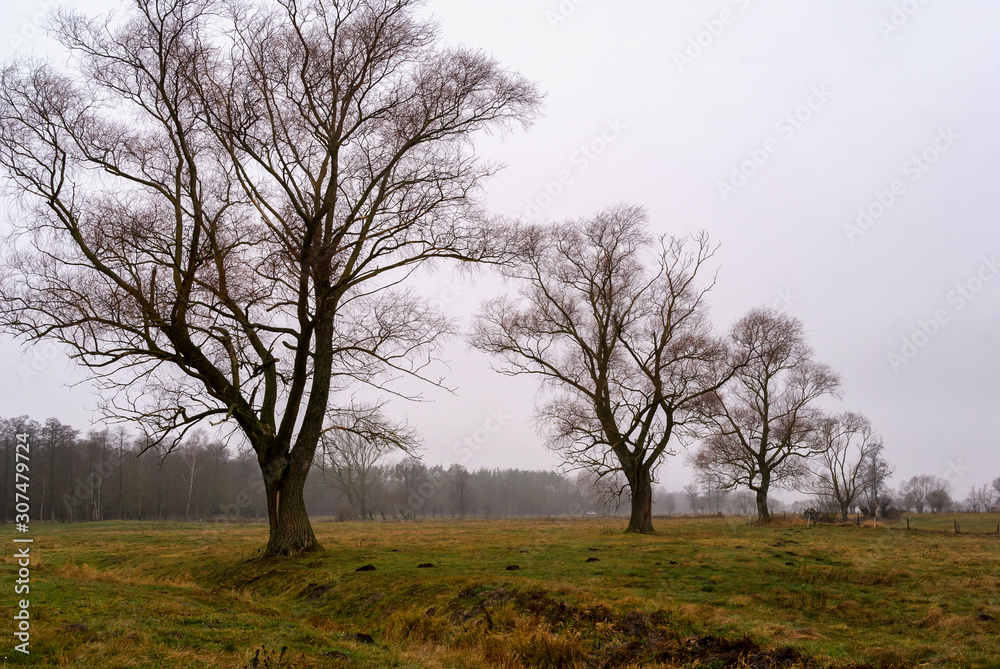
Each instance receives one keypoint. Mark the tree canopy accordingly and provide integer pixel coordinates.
(221, 202)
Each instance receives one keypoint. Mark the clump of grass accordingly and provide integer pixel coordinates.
(263, 658)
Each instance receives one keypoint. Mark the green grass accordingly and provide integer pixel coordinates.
(698, 593)
(969, 523)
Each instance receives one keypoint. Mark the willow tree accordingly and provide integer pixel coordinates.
(615, 324)
(765, 420)
(849, 462)
(220, 202)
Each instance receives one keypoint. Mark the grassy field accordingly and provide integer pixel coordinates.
(707, 593)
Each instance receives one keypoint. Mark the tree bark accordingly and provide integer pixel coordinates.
(642, 502)
(291, 532)
(762, 511)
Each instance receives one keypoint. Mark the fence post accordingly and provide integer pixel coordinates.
(956, 527)
(907, 522)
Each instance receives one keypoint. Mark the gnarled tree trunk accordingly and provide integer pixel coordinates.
(641, 484)
(291, 533)
(763, 514)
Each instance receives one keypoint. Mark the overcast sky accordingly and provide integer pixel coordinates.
(845, 154)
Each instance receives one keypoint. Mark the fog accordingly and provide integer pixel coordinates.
(845, 155)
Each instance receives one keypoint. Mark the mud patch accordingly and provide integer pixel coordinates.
(609, 640)
(314, 591)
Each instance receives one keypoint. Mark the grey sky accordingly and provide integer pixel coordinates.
(770, 124)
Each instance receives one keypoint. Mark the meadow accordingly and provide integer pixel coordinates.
(472, 594)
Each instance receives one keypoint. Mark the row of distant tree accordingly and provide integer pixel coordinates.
(921, 494)
(108, 474)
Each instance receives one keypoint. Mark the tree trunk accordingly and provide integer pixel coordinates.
(762, 511)
(642, 502)
(291, 531)
(843, 512)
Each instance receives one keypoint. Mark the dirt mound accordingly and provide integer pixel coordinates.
(619, 640)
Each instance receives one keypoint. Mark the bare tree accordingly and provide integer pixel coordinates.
(877, 498)
(626, 353)
(692, 493)
(220, 201)
(847, 446)
(350, 455)
(741, 502)
(459, 490)
(979, 499)
(192, 453)
(917, 493)
(764, 417)
(352, 465)
(939, 499)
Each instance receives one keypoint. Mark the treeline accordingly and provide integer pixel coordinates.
(110, 474)
(100, 475)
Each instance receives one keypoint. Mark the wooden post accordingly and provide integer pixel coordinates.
(956, 527)
(907, 522)
(858, 518)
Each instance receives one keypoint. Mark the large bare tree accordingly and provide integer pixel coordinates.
(221, 199)
(764, 418)
(847, 462)
(615, 323)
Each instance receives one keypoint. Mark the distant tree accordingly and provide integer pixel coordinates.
(667, 503)
(222, 199)
(979, 499)
(713, 498)
(193, 456)
(939, 500)
(412, 488)
(459, 490)
(995, 488)
(877, 498)
(120, 443)
(692, 493)
(741, 502)
(9, 429)
(764, 418)
(847, 452)
(350, 455)
(916, 493)
(616, 326)
(59, 458)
